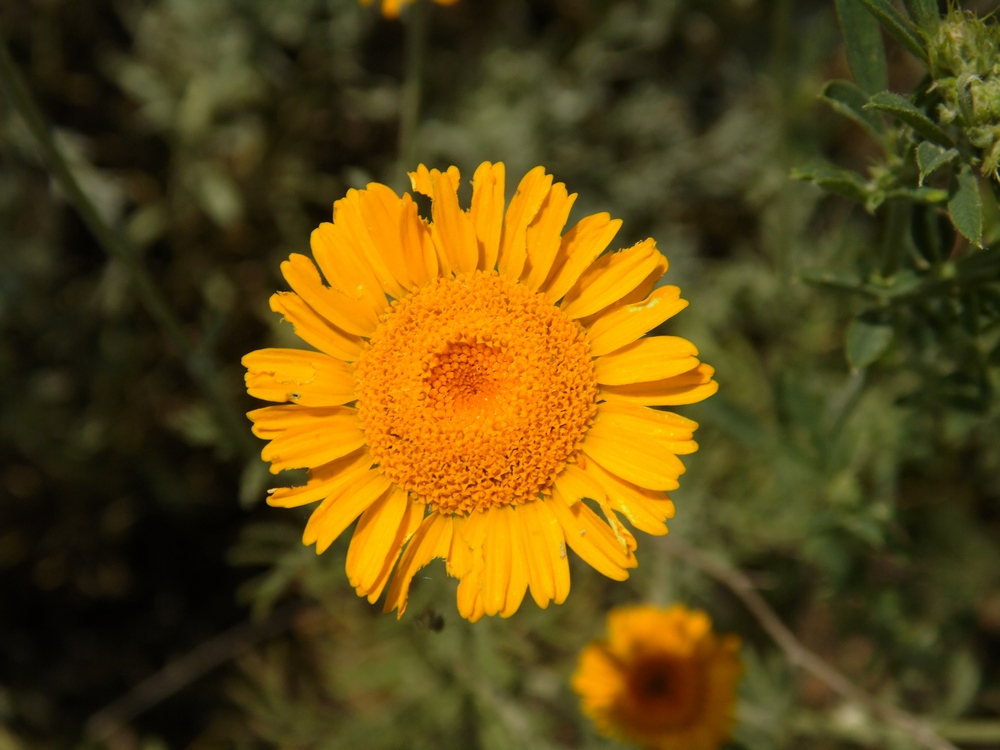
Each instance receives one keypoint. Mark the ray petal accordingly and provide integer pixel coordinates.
(688, 388)
(431, 539)
(324, 480)
(612, 277)
(578, 249)
(543, 237)
(298, 376)
(338, 511)
(621, 325)
(649, 358)
(487, 211)
(523, 207)
(347, 313)
(314, 329)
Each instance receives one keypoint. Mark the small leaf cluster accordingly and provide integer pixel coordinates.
(930, 276)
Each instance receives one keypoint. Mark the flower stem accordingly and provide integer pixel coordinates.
(200, 364)
(798, 654)
(413, 81)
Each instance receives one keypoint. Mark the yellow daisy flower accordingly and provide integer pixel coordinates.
(663, 680)
(477, 376)
(391, 8)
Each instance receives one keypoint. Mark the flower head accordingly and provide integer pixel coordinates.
(391, 8)
(662, 680)
(477, 376)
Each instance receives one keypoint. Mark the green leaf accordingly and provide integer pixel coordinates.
(898, 26)
(863, 41)
(904, 110)
(919, 194)
(930, 157)
(966, 206)
(924, 13)
(868, 337)
(849, 100)
(834, 279)
(836, 180)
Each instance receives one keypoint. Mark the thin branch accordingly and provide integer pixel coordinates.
(181, 672)
(798, 654)
(200, 364)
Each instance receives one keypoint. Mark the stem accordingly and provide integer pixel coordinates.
(798, 654)
(413, 81)
(200, 364)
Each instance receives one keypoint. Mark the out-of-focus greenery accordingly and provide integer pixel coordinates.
(861, 496)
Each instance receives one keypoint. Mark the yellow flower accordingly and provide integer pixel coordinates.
(391, 8)
(662, 680)
(477, 376)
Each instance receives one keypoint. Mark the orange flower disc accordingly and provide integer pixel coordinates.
(475, 392)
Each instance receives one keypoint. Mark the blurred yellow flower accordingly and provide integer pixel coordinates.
(477, 376)
(662, 680)
(391, 8)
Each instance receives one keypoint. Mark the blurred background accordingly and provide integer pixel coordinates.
(148, 597)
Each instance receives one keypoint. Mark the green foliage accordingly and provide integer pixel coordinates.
(938, 151)
(850, 463)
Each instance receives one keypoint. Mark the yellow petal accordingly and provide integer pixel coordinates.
(497, 559)
(637, 419)
(575, 484)
(384, 213)
(352, 214)
(314, 329)
(622, 325)
(453, 229)
(518, 566)
(649, 358)
(421, 181)
(301, 437)
(459, 557)
(351, 315)
(373, 539)
(578, 249)
(524, 205)
(556, 546)
(611, 277)
(591, 539)
(421, 256)
(645, 509)
(486, 212)
(431, 539)
(412, 518)
(688, 388)
(338, 511)
(324, 480)
(344, 265)
(544, 235)
(537, 552)
(299, 376)
(641, 457)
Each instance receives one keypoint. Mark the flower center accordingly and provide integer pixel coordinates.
(475, 392)
(664, 691)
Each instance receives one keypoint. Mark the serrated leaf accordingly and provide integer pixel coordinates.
(868, 338)
(931, 157)
(864, 46)
(898, 26)
(905, 111)
(836, 180)
(849, 100)
(924, 13)
(966, 207)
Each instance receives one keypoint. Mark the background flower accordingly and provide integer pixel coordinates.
(662, 680)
